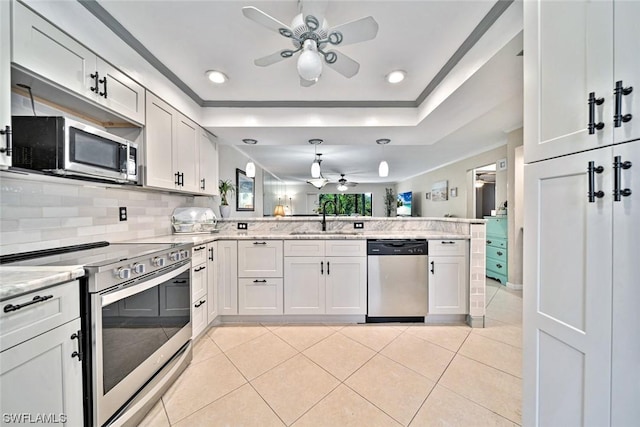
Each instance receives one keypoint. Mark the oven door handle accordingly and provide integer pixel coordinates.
(110, 297)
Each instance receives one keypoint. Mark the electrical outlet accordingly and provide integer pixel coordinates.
(123, 214)
(358, 225)
(242, 226)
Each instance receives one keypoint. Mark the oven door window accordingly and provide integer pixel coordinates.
(135, 327)
(93, 150)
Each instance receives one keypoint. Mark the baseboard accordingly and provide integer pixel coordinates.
(475, 321)
(514, 286)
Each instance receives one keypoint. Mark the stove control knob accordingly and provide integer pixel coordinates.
(158, 262)
(184, 254)
(138, 268)
(123, 273)
(174, 256)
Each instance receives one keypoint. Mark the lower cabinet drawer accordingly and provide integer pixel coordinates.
(447, 247)
(260, 296)
(497, 269)
(497, 242)
(199, 311)
(497, 254)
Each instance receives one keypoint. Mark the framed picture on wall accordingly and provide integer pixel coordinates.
(502, 164)
(439, 191)
(245, 200)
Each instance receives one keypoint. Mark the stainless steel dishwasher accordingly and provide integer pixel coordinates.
(397, 280)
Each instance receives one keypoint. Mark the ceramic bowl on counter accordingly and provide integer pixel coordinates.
(193, 220)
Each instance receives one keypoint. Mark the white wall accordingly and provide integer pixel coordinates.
(459, 176)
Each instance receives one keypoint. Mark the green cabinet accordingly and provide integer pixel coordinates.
(497, 244)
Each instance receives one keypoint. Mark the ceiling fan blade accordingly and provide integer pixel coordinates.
(357, 31)
(306, 83)
(315, 8)
(343, 64)
(270, 59)
(263, 19)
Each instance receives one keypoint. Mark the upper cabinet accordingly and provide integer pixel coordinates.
(208, 163)
(581, 76)
(5, 86)
(42, 49)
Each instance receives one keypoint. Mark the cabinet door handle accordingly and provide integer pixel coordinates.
(593, 170)
(199, 303)
(619, 92)
(489, 242)
(104, 82)
(202, 186)
(177, 178)
(210, 254)
(181, 179)
(448, 243)
(78, 354)
(7, 135)
(179, 281)
(593, 101)
(199, 268)
(199, 248)
(618, 165)
(328, 271)
(10, 307)
(94, 88)
(499, 265)
(259, 281)
(259, 243)
(321, 267)
(433, 268)
(499, 253)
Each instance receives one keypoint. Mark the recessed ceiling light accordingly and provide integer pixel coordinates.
(217, 76)
(396, 76)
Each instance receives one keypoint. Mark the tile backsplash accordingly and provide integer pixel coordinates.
(45, 213)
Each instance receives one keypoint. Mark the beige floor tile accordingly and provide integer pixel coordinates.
(199, 385)
(491, 291)
(487, 386)
(504, 332)
(156, 417)
(448, 337)
(373, 336)
(508, 298)
(243, 407)
(395, 389)
(504, 314)
(339, 355)
(423, 357)
(256, 357)
(445, 408)
(337, 326)
(303, 337)
(498, 355)
(293, 387)
(204, 349)
(227, 337)
(272, 326)
(345, 408)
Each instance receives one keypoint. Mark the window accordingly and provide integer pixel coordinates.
(347, 204)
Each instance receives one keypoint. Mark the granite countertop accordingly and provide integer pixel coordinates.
(16, 281)
(198, 239)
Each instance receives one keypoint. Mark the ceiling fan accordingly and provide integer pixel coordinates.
(311, 35)
(343, 184)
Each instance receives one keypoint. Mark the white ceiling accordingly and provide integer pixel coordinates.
(468, 113)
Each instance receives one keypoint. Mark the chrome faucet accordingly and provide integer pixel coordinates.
(324, 213)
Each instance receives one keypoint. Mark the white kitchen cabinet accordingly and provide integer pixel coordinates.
(43, 49)
(325, 284)
(5, 83)
(171, 148)
(227, 265)
(260, 296)
(199, 313)
(304, 285)
(40, 366)
(448, 285)
(346, 285)
(212, 282)
(199, 281)
(260, 258)
(208, 163)
(580, 243)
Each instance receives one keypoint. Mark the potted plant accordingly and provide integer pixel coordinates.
(226, 189)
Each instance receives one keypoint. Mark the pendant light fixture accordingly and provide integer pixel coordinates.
(383, 168)
(315, 166)
(250, 169)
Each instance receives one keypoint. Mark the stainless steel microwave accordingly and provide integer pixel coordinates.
(64, 146)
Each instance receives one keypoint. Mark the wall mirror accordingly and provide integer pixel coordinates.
(245, 200)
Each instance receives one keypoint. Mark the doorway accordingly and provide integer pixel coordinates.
(485, 190)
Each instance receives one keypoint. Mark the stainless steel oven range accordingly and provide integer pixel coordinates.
(136, 324)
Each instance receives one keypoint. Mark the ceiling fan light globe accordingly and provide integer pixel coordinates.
(309, 65)
(251, 170)
(383, 169)
(479, 184)
(341, 187)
